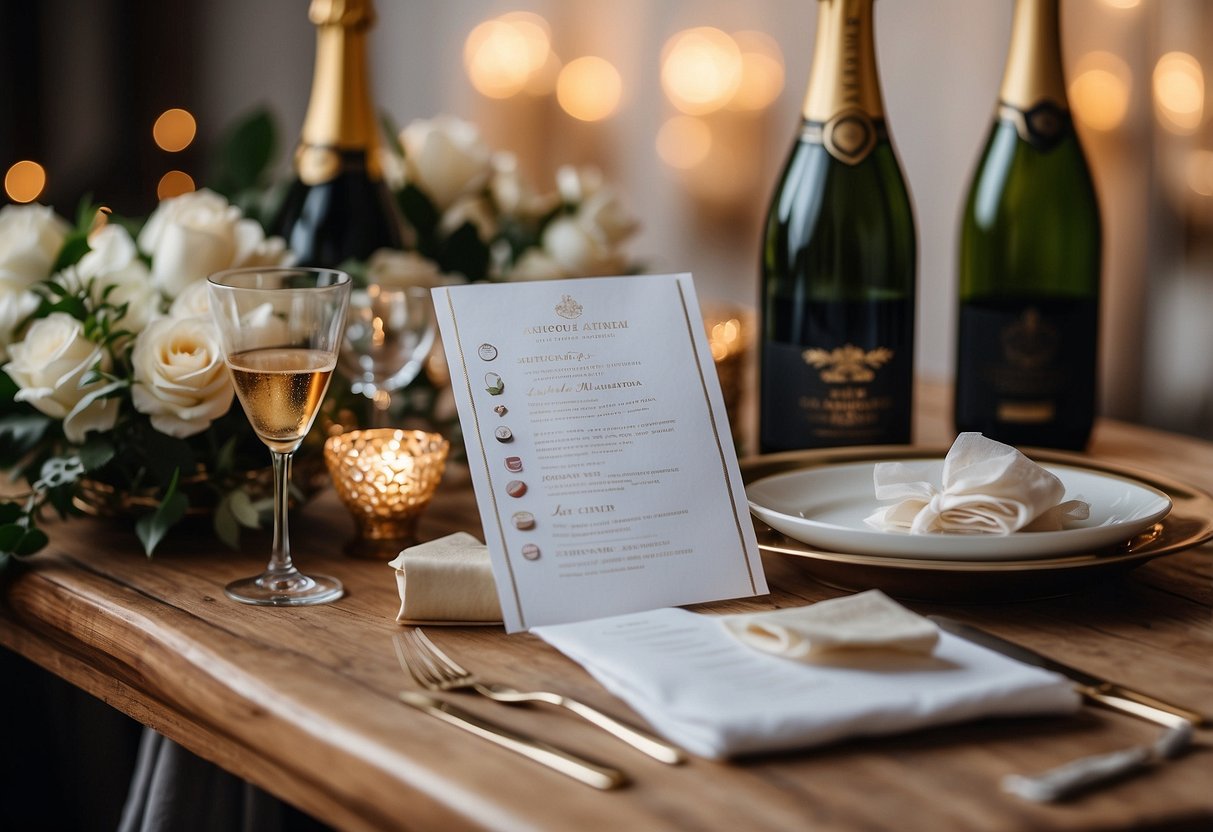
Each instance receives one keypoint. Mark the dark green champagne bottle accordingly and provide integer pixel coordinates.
(839, 260)
(338, 207)
(1030, 258)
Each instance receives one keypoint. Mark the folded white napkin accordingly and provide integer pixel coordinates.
(707, 692)
(447, 581)
(868, 621)
(987, 487)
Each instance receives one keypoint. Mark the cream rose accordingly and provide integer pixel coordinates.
(193, 302)
(446, 158)
(30, 239)
(474, 209)
(113, 263)
(399, 269)
(180, 378)
(196, 234)
(512, 195)
(16, 304)
(578, 250)
(48, 366)
(535, 264)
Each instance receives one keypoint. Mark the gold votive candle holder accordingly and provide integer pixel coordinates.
(385, 477)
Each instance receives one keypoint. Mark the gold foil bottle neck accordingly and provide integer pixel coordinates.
(340, 113)
(350, 14)
(844, 76)
(1033, 74)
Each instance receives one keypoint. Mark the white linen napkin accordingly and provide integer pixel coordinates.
(867, 621)
(705, 691)
(447, 581)
(987, 488)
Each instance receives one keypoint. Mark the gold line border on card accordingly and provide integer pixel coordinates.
(484, 457)
(724, 466)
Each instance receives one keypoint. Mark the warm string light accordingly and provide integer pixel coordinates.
(175, 183)
(1100, 91)
(589, 88)
(174, 130)
(1179, 92)
(511, 54)
(24, 181)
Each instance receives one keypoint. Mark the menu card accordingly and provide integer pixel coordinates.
(598, 445)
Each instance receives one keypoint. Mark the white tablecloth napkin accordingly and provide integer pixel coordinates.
(705, 691)
(987, 487)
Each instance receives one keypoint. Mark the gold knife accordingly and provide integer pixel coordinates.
(590, 773)
(1099, 691)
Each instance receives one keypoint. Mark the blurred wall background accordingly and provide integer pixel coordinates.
(82, 84)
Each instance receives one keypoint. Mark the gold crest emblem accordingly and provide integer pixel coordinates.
(568, 308)
(848, 363)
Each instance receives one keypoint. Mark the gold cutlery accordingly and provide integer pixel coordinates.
(590, 773)
(1099, 691)
(434, 670)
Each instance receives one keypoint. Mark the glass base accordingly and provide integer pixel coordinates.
(292, 589)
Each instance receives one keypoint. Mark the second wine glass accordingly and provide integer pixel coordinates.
(389, 336)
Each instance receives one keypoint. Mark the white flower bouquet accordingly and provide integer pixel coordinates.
(111, 376)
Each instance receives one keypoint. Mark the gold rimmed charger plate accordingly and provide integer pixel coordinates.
(1190, 523)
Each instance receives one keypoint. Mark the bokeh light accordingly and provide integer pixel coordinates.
(1122, 4)
(24, 181)
(174, 130)
(510, 54)
(761, 71)
(174, 183)
(1100, 91)
(1179, 92)
(1200, 172)
(684, 142)
(589, 88)
(701, 70)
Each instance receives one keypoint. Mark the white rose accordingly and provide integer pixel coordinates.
(113, 261)
(30, 239)
(48, 366)
(474, 209)
(512, 195)
(398, 269)
(193, 302)
(579, 250)
(196, 234)
(392, 168)
(575, 185)
(445, 158)
(180, 378)
(603, 215)
(535, 264)
(16, 304)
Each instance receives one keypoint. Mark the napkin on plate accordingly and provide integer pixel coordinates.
(987, 487)
(706, 691)
(447, 581)
(868, 621)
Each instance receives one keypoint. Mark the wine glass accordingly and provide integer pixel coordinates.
(389, 336)
(281, 330)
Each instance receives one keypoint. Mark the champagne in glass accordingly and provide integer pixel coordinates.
(281, 329)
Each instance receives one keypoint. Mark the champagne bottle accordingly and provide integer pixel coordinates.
(1030, 258)
(338, 207)
(839, 259)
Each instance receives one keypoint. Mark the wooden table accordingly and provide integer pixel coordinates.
(302, 701)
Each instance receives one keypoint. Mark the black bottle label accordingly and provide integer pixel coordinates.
(841, 388)
(1026, 371)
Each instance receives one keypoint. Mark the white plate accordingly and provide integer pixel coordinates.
(826, 507)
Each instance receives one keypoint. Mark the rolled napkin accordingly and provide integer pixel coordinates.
(447, 581)
(706, 691)
(987, 488)
(868, 621)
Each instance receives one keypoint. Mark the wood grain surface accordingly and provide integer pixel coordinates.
(302, 701)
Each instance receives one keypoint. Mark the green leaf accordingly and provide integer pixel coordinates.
(420, 213)
(242, 509)
(391, 132)
(96, 452)
(10, 513)
(74, 247)
(152, 528)
(245, 154)
(32, 541)
(10, 536)
(19, 434)
(227, 529)
(165, 456)
(465, 253)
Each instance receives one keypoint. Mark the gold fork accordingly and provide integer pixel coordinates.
(434, 670)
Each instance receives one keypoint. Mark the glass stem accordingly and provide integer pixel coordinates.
(381, 417)
(280, 555)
